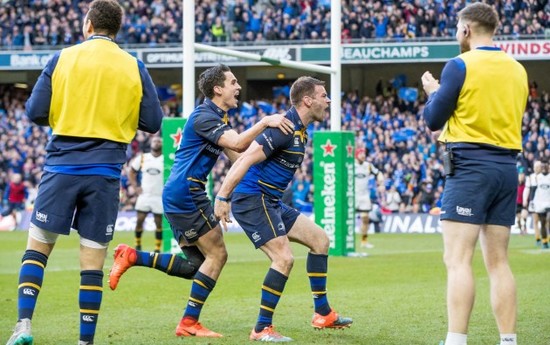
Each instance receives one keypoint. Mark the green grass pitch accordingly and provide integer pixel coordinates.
(396, 295)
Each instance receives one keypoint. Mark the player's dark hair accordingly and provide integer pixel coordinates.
(481, 15)
(106, 16)
(303, 86)
(214, 76)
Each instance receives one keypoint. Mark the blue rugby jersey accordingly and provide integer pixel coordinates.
(195, 157)
(284, 152)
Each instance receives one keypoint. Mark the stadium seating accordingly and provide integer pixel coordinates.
(35, 23)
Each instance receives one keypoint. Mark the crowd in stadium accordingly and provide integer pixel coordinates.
(388, 127)
(28, 24)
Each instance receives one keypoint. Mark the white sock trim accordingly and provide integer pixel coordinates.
(508, 339)
(456, 339)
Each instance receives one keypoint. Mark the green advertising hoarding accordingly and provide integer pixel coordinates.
(334, 194)
(389, 52)
(172, 132)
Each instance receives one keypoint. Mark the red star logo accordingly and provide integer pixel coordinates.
(177, 138)
(349, 149)
(328, 148)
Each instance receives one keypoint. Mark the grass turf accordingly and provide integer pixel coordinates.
(396, 295)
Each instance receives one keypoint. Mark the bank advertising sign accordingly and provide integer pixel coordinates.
(25, 60)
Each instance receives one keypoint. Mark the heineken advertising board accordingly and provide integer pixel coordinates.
(334, 178)
(172, 133)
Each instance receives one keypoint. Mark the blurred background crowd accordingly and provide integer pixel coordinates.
(387, 125)
(33, 23)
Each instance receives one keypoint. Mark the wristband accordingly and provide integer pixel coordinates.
(221, 198)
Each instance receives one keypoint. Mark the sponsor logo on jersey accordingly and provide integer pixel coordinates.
(256, 237)
(109, 230)
(464, 211)
(190, 233)
(41, 217)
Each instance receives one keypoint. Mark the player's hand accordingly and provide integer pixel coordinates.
(221, 210)
(281, 122)
(429, 83)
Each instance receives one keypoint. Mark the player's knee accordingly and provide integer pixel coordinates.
(284, 263)
(183, 268)
(224, 255)
(193, 256)
(322, 244)
(454, 263)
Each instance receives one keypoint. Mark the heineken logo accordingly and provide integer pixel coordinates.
(328, 195)
(177, 138)
(328, 148)
(350, 196)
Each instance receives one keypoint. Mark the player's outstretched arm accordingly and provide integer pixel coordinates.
(240, 142)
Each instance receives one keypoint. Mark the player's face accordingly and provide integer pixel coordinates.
(361, 156)
(230, 91)
(320, 103)
(156, 144)
(463, 36)
(537, 167)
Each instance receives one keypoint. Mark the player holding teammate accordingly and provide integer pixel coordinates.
(206, 134)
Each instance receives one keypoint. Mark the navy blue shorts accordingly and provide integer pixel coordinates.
(262, 218)
(190, 226)
(481, 192)
(87, 203)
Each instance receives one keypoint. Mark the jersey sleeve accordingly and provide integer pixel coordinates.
(39, 102)
(442, 103)
(150, 111)
(210, 126)
(273, 139)
(135, 164)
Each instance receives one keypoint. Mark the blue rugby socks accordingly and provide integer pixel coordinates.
(200, 290)
(89, 299)
(274, 284)
(171, 264)
(31, 276)
(317, 267)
